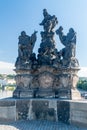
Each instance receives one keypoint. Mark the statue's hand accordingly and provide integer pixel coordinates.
(35, 32)
(41, 23)
(59, 30)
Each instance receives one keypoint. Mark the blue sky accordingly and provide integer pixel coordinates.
(19, 15)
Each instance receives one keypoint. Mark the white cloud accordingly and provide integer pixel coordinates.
(82, 72)
(6, 68)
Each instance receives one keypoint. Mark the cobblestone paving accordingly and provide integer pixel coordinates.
(37, 125)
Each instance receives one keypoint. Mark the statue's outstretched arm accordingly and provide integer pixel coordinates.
(33, 37)
(62, 37)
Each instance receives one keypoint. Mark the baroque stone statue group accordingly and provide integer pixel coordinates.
(52, 73)
(47, 53)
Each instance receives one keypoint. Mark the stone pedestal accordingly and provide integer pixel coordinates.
(47, 82)
(75, 94)
(66, 111)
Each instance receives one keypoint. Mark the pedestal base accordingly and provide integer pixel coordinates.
(66, 111)
(75, 94)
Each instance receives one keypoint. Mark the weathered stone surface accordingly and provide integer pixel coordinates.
(63, 111)
(7, 113)
(22, 107)
(66, 111)
(78, 113)
(7, 110)
(46, 82)
(6, 103)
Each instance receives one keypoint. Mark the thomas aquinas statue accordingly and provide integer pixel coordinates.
(26, 44)
(25, 50)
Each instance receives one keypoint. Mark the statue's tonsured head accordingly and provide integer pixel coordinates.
(71, 30)
(23, 33)
(61, 28)
(45, 13)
